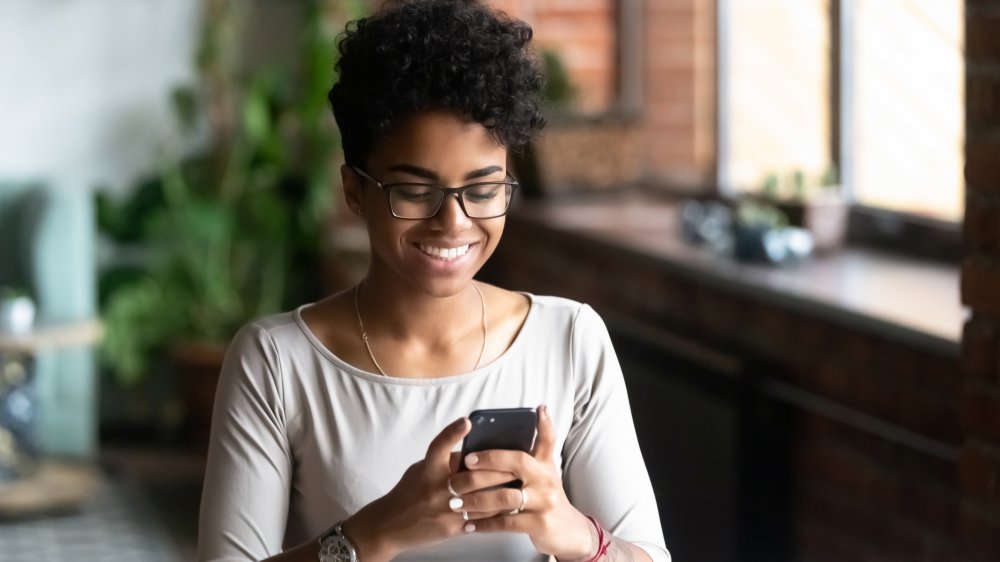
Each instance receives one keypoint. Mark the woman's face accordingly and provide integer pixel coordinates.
(441, 254)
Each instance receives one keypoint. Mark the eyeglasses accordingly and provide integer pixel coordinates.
(482, 200)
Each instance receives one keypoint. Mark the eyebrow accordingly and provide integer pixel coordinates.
(430, 175)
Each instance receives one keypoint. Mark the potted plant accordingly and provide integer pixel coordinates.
(816, 206)
(219, 238)
(578, 153)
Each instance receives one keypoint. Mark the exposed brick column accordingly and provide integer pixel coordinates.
(980, 407)
(679, 109)
(583, 33)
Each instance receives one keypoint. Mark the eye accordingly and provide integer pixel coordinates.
(415, 192)
(484, 193)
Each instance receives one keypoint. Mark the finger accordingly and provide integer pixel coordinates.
(504, 523)
(439, 451)
(475, 516)
(472, 481)
(500, 460)
(454, 461)
(493, 501)
(545, 441)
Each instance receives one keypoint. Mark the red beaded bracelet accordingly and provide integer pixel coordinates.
(602, 545)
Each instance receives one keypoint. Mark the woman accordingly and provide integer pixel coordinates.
(335, 424)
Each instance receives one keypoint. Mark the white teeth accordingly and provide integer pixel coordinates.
(446, 254)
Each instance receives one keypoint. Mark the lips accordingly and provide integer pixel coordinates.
(444, 253)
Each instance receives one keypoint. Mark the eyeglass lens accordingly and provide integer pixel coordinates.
(417, 201)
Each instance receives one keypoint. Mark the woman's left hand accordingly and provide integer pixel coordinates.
(546, 516)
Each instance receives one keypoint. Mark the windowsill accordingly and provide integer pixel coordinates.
(913, 301)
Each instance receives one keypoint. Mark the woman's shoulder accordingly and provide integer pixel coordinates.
(520, 304)
(552, 315)
(271, 331)
(553, 305)
(561, 309)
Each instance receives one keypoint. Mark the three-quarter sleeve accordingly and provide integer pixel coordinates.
(603, 473)
(244, 505)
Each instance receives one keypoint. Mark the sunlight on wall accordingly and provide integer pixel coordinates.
(909, 118)
(85, 84)
(778, 94)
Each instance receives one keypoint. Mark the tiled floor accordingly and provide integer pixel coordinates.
(134, 515)
(170, 480)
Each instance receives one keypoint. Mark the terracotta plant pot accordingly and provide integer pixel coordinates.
(824, 218)
(196, 366)
(824, 215)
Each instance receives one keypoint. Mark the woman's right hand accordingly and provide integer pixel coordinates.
(416, 511)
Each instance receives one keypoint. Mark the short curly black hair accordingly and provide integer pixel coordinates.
(425, 55)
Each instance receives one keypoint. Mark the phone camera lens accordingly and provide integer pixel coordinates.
(479, 420)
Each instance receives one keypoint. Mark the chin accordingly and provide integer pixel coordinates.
(442, 287)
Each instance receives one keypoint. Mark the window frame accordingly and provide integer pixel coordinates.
(896, 231)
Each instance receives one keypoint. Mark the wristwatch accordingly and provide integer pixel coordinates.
(335, 547)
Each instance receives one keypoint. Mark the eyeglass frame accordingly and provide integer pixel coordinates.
(458, 192)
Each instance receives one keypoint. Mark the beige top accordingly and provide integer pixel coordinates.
(301, 439)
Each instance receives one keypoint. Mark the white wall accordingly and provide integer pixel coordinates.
(84, 86)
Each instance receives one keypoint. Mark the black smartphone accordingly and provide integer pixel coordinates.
(502, 428)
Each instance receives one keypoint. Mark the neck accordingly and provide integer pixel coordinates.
(402, 311)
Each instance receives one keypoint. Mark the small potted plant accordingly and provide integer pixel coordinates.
(576, 152)
(816, 206)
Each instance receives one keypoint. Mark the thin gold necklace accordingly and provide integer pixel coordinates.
(364, 335)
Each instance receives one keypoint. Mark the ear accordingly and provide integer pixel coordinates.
(352, 189)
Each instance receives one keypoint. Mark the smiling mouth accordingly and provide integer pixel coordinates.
(445, 254)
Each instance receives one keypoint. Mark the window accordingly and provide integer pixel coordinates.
(871, 88)
(904, 105)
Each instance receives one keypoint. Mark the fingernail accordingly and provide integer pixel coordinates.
(455, 504)
(471, 459)
(470, 527)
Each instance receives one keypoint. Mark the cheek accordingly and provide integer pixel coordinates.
(498, 228)
(374, 201)
(390, 232)
(381, 230)
(494, 233)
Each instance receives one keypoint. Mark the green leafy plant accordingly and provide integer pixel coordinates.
(234, 232)
(760, 215)
(813, 203)
(10, 293)
(559, 92)
(798, 186)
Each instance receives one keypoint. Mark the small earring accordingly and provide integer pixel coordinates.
(361, 213)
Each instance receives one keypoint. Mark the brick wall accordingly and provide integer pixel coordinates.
(583, 32)
(980, 406)
(679, 106)
(856, 494)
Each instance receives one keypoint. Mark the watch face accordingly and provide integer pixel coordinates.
(336, 549)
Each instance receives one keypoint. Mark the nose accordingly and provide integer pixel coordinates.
(450, 215)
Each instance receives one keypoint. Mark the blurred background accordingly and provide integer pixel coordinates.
(787, 211)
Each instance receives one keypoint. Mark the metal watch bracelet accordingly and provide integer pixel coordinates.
(335, 547)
